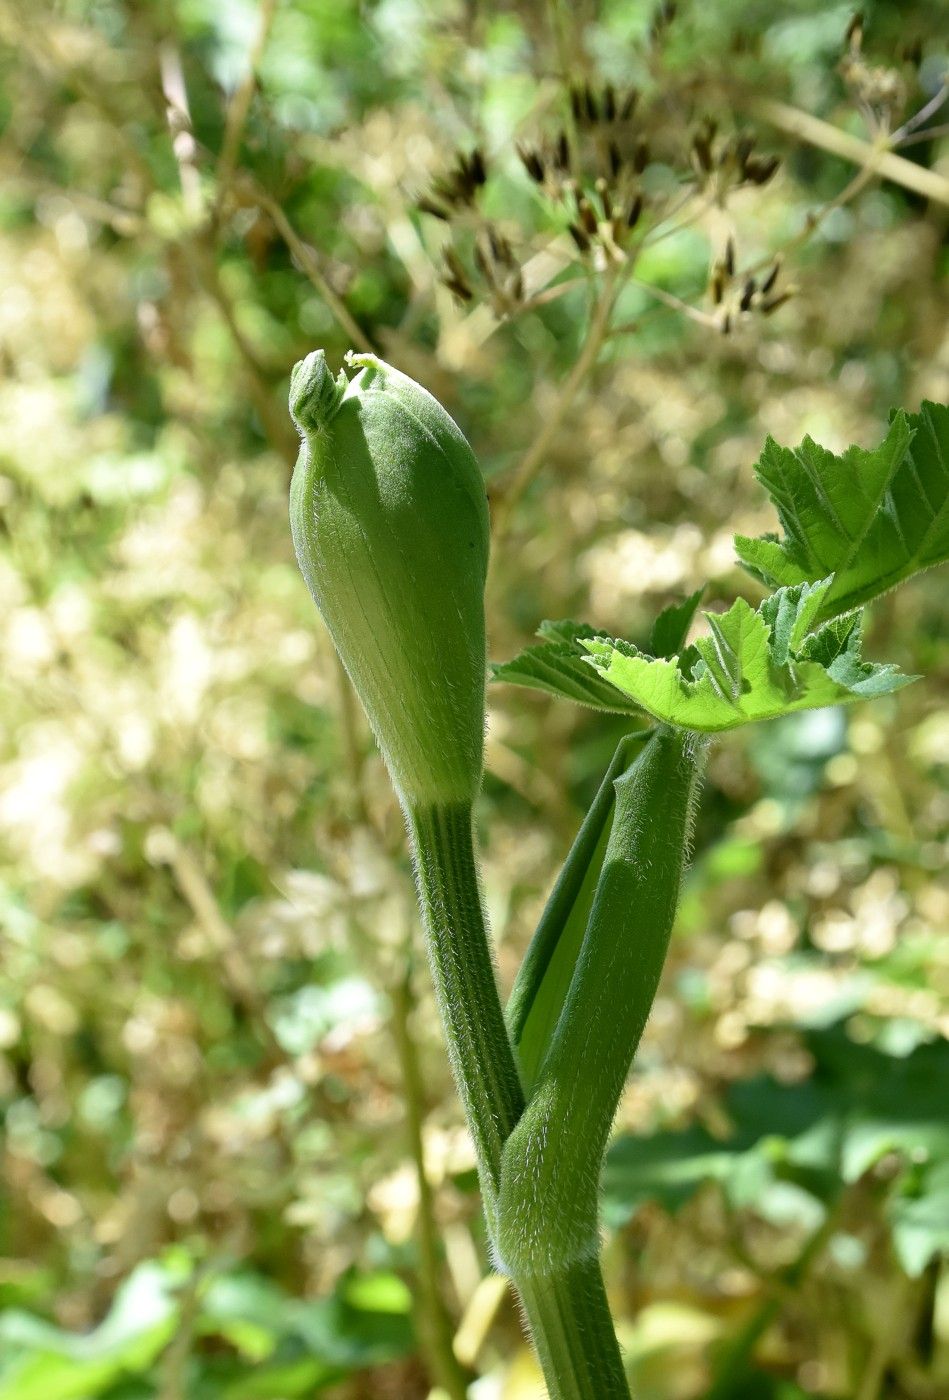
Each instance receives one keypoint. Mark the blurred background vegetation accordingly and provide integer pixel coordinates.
(220, 1069)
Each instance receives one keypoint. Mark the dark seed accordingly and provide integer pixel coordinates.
(770, 280)
(772, 304)
(609, 102)
(587, 214)
(640, 156)
(702, 151)
(629, 105)
(428, 206)
(563, 152)
(747, 293)
(579, 237)
(761, 170)
(730, 257)
(634, 211)
(532, 163)
(616, 160)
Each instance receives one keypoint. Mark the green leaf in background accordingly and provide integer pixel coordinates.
(39, 1361)
(671, 627)
(869, 517)
(276, 1344)
(754, 666)
(789, 1147)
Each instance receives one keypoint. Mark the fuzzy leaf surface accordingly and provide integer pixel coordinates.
(872, 518)
(754, 666)
(559, 665)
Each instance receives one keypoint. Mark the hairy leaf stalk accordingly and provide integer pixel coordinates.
(552, 1161)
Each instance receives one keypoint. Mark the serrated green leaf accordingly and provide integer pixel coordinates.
(559, 667)
(871, 518)
(754, 666)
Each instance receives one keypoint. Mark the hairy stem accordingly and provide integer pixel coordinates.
(548, 1204)
(465, 985)
(569, 1319)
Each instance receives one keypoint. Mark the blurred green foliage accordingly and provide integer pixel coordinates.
(211, 995)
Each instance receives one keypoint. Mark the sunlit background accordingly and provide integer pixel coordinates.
(220, 1067)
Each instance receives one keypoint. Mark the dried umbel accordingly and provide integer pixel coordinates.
(390, 527)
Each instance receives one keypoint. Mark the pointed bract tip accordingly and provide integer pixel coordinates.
(314, 394)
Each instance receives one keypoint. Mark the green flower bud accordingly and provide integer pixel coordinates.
(390, 527)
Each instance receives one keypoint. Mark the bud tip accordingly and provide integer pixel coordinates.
(314, 394)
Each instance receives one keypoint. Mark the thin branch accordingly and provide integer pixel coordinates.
(923, 115)
(239, 107)
(701, 318)
(307, 258)
(928, 183)
(533, 459)
(178, 115)
(931, 133)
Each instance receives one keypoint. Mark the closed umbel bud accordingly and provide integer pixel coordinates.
(390, 527)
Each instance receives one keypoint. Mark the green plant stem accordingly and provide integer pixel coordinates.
(566, 1309)
(569, 1318)
(465, 985)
